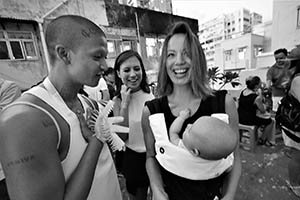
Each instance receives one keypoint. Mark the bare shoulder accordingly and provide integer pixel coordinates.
(28, 151)
(22, 123)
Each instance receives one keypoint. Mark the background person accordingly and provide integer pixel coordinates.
(183, 83)
(250, 102)
(109, 77)
(9, 92)
(46, 150)
(294, 162)
(132, 93)
(278, 76)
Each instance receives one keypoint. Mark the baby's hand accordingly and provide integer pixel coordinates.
(184, 114)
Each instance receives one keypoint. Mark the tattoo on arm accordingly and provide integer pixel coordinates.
(21, 161)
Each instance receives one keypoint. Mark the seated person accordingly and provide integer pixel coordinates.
(251, 108)
(208, 137)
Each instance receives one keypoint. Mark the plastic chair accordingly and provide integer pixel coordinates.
(248, 137)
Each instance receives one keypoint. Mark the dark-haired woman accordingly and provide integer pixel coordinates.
(131, 94)
(251, 102)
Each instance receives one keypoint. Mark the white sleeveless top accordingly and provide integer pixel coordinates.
(181, 162)
(105, 184)
(135, 109)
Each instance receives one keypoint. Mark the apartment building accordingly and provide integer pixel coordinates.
(227, 26)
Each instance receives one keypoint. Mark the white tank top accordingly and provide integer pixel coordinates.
(136, 137)
(105, 184)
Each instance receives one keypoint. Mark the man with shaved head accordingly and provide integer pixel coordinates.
(46, 148)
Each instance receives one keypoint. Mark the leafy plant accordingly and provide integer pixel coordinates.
(215, 76)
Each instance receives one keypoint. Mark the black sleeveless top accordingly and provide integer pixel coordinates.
(179, 188)
(247, 109)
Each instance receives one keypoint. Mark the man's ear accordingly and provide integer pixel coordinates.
(63, 53)
(195, 152)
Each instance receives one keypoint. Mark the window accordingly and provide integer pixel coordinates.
(17, 45)
(3, 51)
(246, 19)
(241, 53)
(111, 49)
(298, 17)
(258, 50)
(126, 45)
(228, 54)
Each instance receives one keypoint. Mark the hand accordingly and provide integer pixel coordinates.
(125, 95)
(184, 114)
(227, 198)
(159, 194)
(85, 131)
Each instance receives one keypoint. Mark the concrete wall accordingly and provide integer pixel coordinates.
(265, 60)
(24, 72)
(285, 33)
(23, 16)
(261, 72)
(248, 41)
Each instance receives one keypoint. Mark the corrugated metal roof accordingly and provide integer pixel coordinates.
(17, 18)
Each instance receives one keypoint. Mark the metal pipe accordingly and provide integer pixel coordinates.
(138, 32)
(54, 8)
(44, 45)
(42, 35)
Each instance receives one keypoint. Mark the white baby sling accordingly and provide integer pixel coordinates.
(181, 162)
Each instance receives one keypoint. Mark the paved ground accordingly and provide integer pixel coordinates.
(264, 175)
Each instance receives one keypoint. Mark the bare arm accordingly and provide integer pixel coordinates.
(233, 177)
(31, 162)
(295, 87)
(260, 105)
(121, 109)
(152, 166)
(177, 125)
(269, 78)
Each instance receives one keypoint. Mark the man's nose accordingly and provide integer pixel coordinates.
(103, 65)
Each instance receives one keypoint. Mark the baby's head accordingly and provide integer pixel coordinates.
(210, 138)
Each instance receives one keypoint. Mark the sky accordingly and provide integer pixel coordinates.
(204, 10)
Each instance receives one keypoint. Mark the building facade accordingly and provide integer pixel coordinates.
(225, 27)
(157, 5)
(23, 53)
(239, 53)
(286, 24)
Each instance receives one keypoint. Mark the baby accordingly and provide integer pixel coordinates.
(208, 137)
